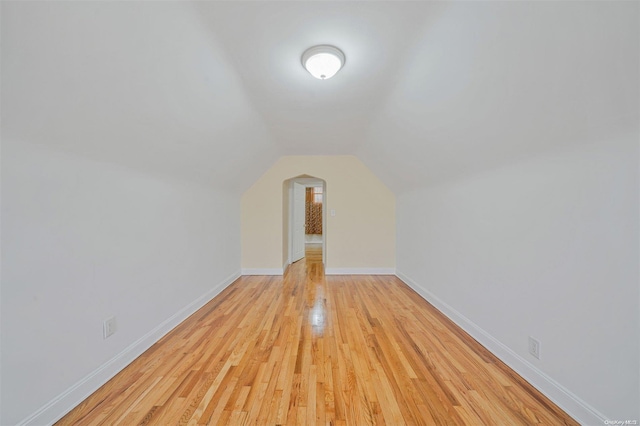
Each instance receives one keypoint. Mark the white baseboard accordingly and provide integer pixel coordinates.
(55, 409)
(262, 271)
(561, 396)
(360, 271)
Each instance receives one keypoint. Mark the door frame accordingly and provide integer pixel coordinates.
(294, 230)
(308, 182)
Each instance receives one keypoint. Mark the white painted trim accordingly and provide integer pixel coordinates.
(360, 271)
(313, 238)
(262, 271)
(55, 409)
(284, 267)
(290, 224)
(563, 397)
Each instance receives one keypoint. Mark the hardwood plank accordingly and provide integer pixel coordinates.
(310, 349)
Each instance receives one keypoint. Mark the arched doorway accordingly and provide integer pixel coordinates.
(304, 204)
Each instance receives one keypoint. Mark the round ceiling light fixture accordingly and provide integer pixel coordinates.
(323, 61)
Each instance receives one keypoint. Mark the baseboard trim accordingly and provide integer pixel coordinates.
(55, 409)
(561, 396)
(360, 271)
(262, 271)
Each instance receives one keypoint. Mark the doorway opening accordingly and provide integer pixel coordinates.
(304, 218)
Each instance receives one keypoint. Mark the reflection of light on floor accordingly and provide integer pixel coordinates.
(315, 291)
(317, 314)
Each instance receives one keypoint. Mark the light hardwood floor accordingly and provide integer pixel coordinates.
(309, 349)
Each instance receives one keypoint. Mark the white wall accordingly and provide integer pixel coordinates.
(547, 248)
(84, 240)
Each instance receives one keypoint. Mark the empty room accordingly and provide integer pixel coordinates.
(320, 212)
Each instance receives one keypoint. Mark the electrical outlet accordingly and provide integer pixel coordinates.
(109, 327)
(534, 347)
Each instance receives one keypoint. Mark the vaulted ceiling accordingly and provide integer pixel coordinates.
(215, 92)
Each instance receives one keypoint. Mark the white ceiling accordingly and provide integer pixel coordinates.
(265, 42)
(214, 91)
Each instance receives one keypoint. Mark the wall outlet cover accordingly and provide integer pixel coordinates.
(109, 327)
(534, 347)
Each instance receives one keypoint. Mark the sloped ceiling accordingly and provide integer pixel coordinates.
(489, 83)
(214, 91)
(143, 84)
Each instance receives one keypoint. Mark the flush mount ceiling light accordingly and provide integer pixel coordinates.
(323, 61)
